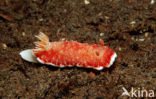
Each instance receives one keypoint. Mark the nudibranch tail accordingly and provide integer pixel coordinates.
(41, 45)
(28, 55)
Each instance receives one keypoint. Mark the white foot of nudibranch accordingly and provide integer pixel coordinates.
(28, 55)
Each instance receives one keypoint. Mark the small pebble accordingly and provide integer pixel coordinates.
(86, 2)
(152, 1)
(120, 49)
(63, 39)
(132, 23)
(131, 65)
(146, 34)
(4, 46)
(65, 10)
(141, 39)
(132, 38)
(23, 33)
(106, 17)
(41, 19)
(101, 34)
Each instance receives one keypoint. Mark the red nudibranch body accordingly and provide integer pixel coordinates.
(70, 53)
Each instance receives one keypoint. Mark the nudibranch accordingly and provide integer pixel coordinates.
(70, 53)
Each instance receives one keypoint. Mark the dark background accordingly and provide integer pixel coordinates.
(127, 26)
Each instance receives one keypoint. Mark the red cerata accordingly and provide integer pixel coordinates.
(70, 53)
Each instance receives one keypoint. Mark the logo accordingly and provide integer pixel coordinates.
(137, 92)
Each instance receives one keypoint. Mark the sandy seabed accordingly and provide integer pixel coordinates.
(127, 26)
